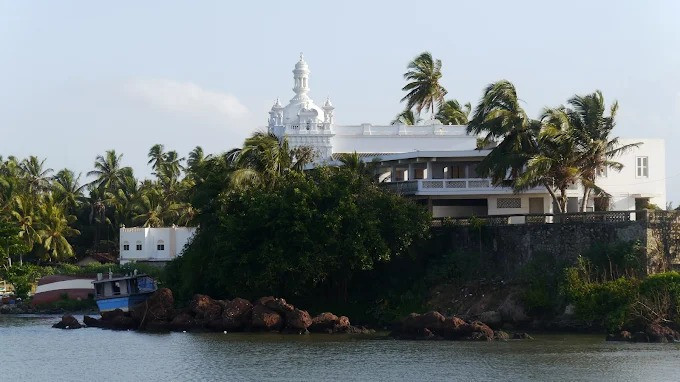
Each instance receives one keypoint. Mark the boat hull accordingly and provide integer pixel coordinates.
(124, 303)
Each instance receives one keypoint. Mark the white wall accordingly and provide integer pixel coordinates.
(173, 239)
(625, 186)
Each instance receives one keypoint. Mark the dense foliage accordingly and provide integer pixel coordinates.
(307, 231)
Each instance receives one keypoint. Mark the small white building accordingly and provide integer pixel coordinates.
(435, 163)
(153, 245)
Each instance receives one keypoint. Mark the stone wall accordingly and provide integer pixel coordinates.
(510, 247)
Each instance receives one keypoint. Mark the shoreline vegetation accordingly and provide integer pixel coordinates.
(333, 239)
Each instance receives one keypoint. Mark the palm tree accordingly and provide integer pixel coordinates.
(24, 215)
(36, 174)
(108, 171)
(152, 211)
(264, 159)
(55, 227)
(498, 116)
(406, 117)
(156, 157)
(451, 113)
(67, 189)
(554, 165)
(591, 129)
(423, 89)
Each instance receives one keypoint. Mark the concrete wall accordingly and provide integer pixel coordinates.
(510, 247)
(173, 240)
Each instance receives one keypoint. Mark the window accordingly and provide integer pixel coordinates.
(509, 203)
(160, 245)
(457, 171)
(139, 245)
(126, 246)
(642, 167)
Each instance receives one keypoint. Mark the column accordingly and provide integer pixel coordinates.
(428, 174)
(411, 172)
(393, 173)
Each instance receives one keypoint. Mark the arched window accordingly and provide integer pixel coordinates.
(139, 245)
(160, 246)
(126, 246)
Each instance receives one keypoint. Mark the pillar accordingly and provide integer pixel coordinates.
(411, 172)
(393, 173)
(428, 174)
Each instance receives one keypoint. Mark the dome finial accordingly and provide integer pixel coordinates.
(301, 57)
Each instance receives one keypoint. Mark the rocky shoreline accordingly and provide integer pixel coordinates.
(267, 314)
(435, 326)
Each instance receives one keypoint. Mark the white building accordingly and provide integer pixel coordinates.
(435, 163)
(153, 245)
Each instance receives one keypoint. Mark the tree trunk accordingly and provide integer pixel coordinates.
(554, 197)
(586, 196)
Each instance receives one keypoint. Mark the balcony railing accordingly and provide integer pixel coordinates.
(441, 185)
(567, 218)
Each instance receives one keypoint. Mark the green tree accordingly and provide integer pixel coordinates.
(452, 113)
(67, 189)
(423, 88)
(406, 117)
(108, 171)
(55, 228)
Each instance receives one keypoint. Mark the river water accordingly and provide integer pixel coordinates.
(30, 350)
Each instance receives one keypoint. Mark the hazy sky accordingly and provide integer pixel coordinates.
(80, 77)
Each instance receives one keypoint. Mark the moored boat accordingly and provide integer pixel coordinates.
(122, 292)
(56, 287)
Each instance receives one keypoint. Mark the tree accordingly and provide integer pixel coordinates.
(308, 231)
(499, 117)
(406, 117)
(423, 89)
(36, 174)
(55, 227)
(108, 171)
(67, 189)
(25, 217)
(451, 113)
(591, 129)
(10, 242)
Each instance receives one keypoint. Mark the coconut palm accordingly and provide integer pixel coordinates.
(67, 189)
(37, 176)
(108, 171)
(152, 211)
(406, 117)
(451, 113)
(24, 215)
(423, 89)
(157, 157)
(591, 129)
(499, 117)
(54, 229)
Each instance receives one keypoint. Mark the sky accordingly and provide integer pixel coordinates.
(78, 78)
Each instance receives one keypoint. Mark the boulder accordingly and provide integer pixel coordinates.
(500, 335)
(158, 307)
(236, 314)
(324, 322)
(660, 333)
(492, 318)
(91, 322)
(342, 325)
(278, 305)
(266, 319)
(621, 336)
(639, 337)
(67, 322)
(521, 336)
(430, 320)
(205, 307)
(183, 321)
(454, 328)
(481, 332)
(298, 320)
(110, 315)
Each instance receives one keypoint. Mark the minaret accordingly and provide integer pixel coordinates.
(328, 111)
(301, 78)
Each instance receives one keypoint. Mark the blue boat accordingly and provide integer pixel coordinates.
(122, 292)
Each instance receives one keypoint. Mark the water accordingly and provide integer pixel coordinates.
(30, 350)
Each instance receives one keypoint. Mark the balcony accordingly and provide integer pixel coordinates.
(446, 187)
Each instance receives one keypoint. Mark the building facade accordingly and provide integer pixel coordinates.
(435, 163)
(153, 245)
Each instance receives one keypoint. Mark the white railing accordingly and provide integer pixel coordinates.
(440, 185)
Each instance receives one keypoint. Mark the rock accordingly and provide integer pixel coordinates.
(500, 335)
(5, 309)
(492, 318)
(278, 305)
(205, 307)
(236, 314)
(265, 318)
(183, 321)
(415, 322)
(324, 322)
(479, 336)
(158, 307)
(661, 333)
(110, 315)
(298, 320)
(455, 328)
(481, 332)
(330, 323)
(621, 336)
(67, 322)
(521, 336)
(91, 322)
(639, 337)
